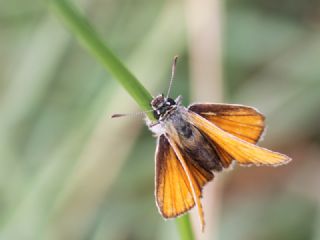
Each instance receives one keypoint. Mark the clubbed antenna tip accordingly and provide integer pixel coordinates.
(173, 71)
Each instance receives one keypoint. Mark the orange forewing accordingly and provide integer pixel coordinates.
(173, 191)
(178, 181)
(240, 150)
(241, 121)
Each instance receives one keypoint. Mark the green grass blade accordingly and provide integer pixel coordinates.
(184, 227)
(96, 46)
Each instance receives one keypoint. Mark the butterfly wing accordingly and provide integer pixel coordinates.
(241, 121)
(178, 181)
(242, 151)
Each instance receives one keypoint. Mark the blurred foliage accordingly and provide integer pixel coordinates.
(67, 171)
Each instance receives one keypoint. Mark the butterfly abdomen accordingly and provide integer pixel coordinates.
(185, 129)
(196, 146)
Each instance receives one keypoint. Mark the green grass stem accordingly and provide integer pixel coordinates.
(185, 227)
(83, 31)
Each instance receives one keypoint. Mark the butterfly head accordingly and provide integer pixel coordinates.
(162, 106)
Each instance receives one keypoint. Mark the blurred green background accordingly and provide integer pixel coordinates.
(68, 171)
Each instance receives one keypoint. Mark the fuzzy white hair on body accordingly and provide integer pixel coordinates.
(155, 127)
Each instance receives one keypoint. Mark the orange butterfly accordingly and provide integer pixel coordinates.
(196, 141)
(193, 142)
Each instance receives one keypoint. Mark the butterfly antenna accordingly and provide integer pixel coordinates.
(137, 114)
(173, 71)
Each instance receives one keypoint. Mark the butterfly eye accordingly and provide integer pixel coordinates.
(156, 114)
(170, 101)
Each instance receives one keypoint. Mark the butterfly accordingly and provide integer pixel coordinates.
(195, 142)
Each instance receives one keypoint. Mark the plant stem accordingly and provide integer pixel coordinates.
(185, 228)
(79, 25)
